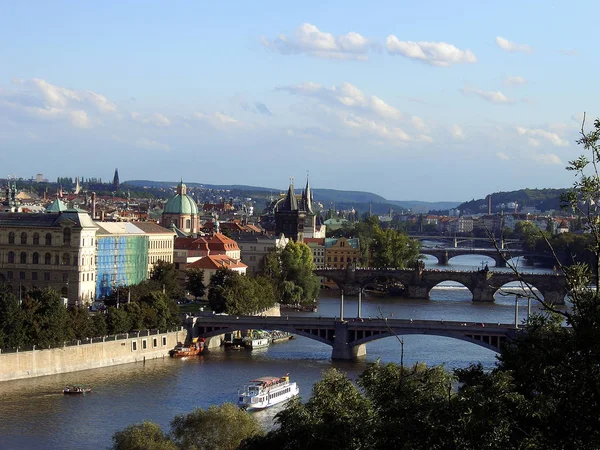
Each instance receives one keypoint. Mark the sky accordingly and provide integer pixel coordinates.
(429, 100)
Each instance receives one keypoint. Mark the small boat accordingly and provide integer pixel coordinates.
(194, 349)
(267, 391)
(281, 336)
(256, 343)
(76, 390)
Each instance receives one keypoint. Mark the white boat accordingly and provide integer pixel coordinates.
(267, 391)
(255, 343)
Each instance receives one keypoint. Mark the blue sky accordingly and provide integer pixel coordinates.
(411, 100)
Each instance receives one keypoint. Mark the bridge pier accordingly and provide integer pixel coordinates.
(443, 259)
(483, 294)
(417, 291)
(342, 350)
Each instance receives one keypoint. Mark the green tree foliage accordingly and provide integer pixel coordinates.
(195, 282)
(12, 318)
(46, 318)
(337, 416)
(232, 293)
(165, 275)
(117, 321)
(80, 325)
(144, 436)
(216, 428)
(291, 271)
(390, 248)
(159, 311)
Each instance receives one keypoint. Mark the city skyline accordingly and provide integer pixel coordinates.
(431, 102)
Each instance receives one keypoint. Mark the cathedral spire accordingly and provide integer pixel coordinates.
(308, 197)
(290, 203)
(116, 179)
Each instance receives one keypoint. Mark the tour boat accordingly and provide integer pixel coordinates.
(76, 390)
(195, 348)
(267, 391)
(254, 343)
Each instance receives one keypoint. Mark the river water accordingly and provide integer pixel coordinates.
(34, 414)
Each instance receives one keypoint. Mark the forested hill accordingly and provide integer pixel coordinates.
(542, 199)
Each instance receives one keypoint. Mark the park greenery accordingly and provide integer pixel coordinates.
(286, 277)
(381, 247)
(543, 393)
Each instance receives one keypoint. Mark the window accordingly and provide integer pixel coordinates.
(23, 258)
(144, 344)
(164, 341)
(36, 238)
(48, 259)
(21, 275)
(56, 260)
(46, 276)
(11, 238)
(36, 258)
(23, 238)
(48, 239)
(65, 276)
(66, 259)
(34, 275)
(67, 236)
(11, 257)
(134, 346)
(9, 275)
(154, 342)
(188, 223)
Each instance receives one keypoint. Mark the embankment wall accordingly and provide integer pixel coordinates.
(113, 350)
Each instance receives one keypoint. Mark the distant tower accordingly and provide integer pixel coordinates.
(116, 179)
(77, 186)
(489, 200)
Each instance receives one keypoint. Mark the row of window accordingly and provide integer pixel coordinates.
(161, 244)
(34, 276)
(36, 238)
(279, 393)
(335, 259)
(35, 259)
(134, 344)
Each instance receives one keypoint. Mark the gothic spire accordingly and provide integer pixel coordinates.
(290, 203)
(308, 197)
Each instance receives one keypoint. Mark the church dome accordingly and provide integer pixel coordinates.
(181, 203)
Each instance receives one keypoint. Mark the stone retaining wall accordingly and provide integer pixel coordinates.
(113, 350)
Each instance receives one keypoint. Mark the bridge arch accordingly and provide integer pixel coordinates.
(443, 286)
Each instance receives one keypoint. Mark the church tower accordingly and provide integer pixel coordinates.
(116, 179)
(290, 216)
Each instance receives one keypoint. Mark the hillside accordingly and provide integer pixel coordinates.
(542, 199)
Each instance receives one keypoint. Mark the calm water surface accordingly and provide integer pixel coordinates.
(34, 414)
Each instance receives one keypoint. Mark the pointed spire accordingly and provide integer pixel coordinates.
(290, 203)
(308, 198)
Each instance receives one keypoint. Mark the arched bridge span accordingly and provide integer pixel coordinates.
(418, 283)
(348, 338)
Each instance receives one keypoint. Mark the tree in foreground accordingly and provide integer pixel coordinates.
(216, 428)
(144, 436)
(195, 282)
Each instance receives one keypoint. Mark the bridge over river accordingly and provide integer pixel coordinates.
(418, 283)
(348, 338)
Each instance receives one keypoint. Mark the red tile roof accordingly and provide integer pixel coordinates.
(215, 262)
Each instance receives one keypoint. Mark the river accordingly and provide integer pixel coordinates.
(34, 414)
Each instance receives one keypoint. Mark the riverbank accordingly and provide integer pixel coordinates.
(110, 351)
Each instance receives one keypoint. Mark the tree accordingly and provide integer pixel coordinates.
(117, 321)
(144, 436)
(46, 318)
(291, 271)
(12, 327)
(218, 427)
(390, 248)
(80, 324)
(195, 282)
(165, 275)
(232, 293)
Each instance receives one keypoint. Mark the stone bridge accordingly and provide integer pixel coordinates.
(444, 255)
(456, 240)
(419, 283)
(348, 338)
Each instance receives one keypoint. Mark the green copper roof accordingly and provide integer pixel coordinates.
(181, 204)
(56, 206)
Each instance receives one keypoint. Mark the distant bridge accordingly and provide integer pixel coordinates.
(500, 257)
(455, 240)
(419, 283)
(348, 338)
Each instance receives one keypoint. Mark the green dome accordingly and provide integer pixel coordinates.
(181, 204)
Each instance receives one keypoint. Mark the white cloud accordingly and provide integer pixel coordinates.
(307, 38)
(509, 46)
(219, 120)
(375, 128)
(533, 142)
(39, 99)
(502, 156)
(79, 119)
(149, 144)
(347, 95)
(439, 54)
(156, 119)
(546, 158)
(490, 96)
(553, 138)
(514, 81)
(457, 132)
